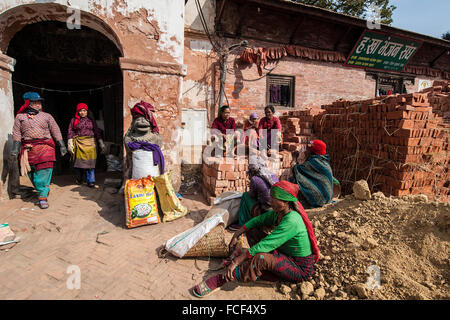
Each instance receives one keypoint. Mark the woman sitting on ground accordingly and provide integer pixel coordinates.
(314, 177)
(288, 253)
(257, 200)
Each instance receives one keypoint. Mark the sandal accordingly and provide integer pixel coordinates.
(43, 204)
(204, 290)
(234, 227)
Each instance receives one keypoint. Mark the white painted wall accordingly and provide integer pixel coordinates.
(168, 13)
(6, 124)
(192, 19)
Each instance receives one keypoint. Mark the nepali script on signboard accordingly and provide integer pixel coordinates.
(382, 52)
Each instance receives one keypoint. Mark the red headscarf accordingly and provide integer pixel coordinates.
(292, 189)
(77, 116)
(144, 109)
(24, 106)
(319, 147)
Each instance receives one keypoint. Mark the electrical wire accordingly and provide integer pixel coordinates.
(216, 46)
(67, 91)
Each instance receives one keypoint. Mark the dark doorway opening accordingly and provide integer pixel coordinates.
(67, 67)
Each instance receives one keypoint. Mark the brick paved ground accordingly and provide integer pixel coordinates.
(119, 264)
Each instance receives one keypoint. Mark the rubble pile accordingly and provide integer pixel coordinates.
(382, 248)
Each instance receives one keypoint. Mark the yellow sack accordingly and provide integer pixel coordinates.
(169, 203)
(140, 202)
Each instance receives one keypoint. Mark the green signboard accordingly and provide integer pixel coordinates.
(382, 52)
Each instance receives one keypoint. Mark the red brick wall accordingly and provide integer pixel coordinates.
(316, 83)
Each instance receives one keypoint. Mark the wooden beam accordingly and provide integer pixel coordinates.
(433, 62)
(342, 38)
(333, 17)
(300, 21)
(278, 42)
(242, 17)
(219, 16)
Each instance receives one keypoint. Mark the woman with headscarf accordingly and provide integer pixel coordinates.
(314, 177)
(250, 137)
(34, 132)
(81, 135)
(288, 253)
(269, 125)
(257, 199)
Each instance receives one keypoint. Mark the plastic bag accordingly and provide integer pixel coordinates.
(170, 205)
(143, 165)
(183, 242)
(113, 164)
(227, 205)
(140, 202)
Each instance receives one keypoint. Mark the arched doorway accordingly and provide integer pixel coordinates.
(68, 66)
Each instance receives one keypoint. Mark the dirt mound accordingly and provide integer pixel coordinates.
(403, 240)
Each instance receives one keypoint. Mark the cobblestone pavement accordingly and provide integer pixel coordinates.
(86, 228)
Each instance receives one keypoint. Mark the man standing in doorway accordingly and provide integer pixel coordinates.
(32, 138)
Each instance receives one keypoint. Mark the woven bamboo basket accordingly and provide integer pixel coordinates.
(211, 244)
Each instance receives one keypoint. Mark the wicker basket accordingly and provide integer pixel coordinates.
(211, 244)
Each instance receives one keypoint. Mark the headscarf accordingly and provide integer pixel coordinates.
(24, 106)
(286, 191)
(77, 116)
(318, 147)
(28, 97)
(257, 167)
(144, 109)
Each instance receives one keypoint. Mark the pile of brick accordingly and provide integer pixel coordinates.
(396, 143)
(440, 99)
(399, 144)
(297, 130)
(221, 174)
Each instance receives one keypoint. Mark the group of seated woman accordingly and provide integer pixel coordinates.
(289, 251)
(257, 135)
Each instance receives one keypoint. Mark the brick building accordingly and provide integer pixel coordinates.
(109, 54)
(315, 74)
(159, 51)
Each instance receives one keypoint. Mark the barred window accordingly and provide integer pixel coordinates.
(280, 90)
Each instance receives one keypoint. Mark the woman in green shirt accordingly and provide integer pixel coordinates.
(288, 253)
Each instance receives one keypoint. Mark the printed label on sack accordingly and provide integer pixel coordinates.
(141, 202)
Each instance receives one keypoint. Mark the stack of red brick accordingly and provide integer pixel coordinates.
(396, 143)
(230, 174)
(297, 130)
(399, 144)
(439, 98)
(223, 174)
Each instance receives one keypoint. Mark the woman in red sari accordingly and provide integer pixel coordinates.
(269, 125)
(223, 129)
